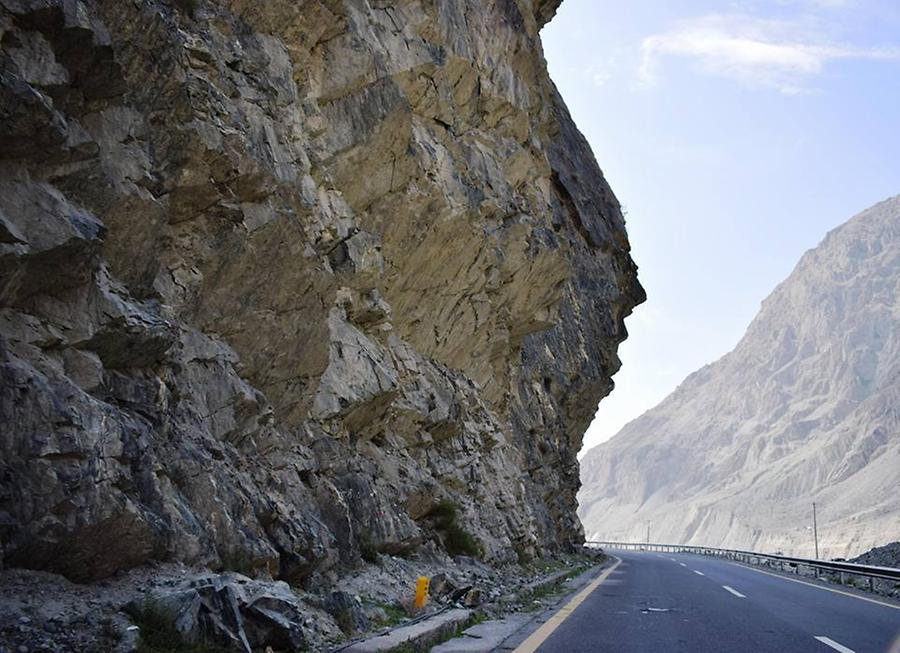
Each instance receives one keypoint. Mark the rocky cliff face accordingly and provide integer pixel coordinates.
(804, 409)
(278, 278)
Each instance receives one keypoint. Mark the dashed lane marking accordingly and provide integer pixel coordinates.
(733, 591)
(833, 644)
(821, 587)
(699, 573)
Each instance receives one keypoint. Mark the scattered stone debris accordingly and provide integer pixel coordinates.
(881, 556)
(198, 610)
(521, 595)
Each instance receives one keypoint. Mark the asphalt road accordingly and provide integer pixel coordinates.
(662, 603)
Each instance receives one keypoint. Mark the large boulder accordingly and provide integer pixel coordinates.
(228, 610)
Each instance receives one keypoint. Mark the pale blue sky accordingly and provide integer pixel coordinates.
(736, 134)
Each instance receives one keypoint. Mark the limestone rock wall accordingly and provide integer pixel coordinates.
(277, 278)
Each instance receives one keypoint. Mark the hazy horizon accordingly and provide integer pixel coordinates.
(735, 137)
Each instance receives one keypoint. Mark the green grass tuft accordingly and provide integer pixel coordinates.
(394, 614)
(159, 635)
(457, 540)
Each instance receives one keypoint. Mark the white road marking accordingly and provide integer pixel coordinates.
(673, 559)
(833, 644)
(733, 591)
(699, 573)
(537, 638)
(682, 564)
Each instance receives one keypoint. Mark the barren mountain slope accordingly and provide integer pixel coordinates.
(806, 408)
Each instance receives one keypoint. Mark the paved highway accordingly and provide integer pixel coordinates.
(662, 603)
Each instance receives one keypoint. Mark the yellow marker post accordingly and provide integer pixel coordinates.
(421, 592)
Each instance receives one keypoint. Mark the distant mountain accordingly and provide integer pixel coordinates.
(805, 408)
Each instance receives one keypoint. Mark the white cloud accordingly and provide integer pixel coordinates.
(600, 71)
(832, 4)
(761, 53)
(599, 75)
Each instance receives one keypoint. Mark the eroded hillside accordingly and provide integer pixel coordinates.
(804, 409)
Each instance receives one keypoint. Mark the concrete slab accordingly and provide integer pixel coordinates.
(485, 636)
(418, 635)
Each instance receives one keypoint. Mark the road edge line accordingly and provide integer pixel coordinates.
(539, 636)
(821, 587)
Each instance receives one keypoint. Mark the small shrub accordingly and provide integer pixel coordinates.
(344, 620)
(457, 540)
(443, 513)
(460, 542)
(159, 635)
(393, 613)
(523, 557)
(188, 6)
(367, 549)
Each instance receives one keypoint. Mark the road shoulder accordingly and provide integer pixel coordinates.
(511, 632)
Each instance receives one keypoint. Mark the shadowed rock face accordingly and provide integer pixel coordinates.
(804, 409)
(277, 278)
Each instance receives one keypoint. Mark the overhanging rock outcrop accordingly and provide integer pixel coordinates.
(278, 278)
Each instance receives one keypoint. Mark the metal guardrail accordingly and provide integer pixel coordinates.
(784, 563)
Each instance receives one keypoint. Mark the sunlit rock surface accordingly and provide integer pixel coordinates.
(278, 277)
(806, 408)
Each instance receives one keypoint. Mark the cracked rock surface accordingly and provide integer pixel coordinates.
(276, 279)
